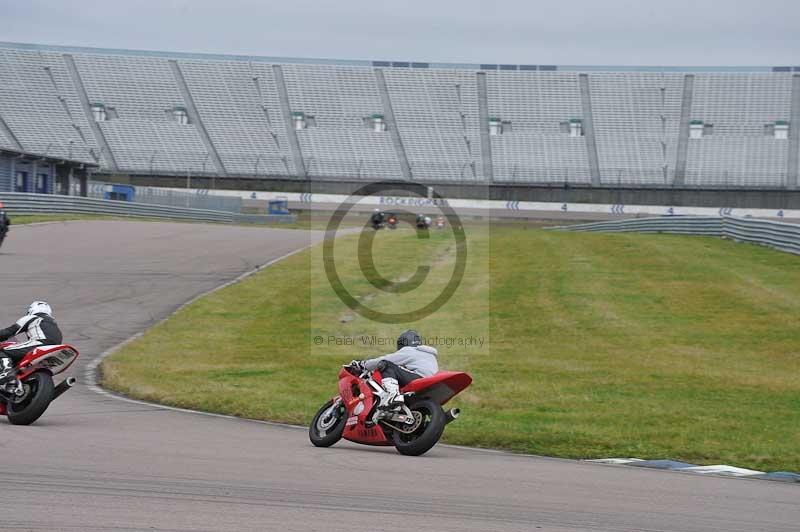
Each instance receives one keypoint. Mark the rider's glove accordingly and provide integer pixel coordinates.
(357, 365)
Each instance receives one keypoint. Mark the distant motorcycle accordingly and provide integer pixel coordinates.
(413, 428)
(377, 220)
(423, 222)
(24, 399)
(391, 221)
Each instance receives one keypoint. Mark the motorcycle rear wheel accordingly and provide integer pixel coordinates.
(327, 426)
(427, 435)
(35, 403)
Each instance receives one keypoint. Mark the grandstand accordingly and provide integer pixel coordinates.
(176, 114)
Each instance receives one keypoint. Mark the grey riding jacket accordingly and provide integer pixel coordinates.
(420, 360)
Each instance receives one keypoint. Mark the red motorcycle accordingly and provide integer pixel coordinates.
(24, 399)
(412, 427)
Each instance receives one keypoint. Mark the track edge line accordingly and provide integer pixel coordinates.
(92, 368)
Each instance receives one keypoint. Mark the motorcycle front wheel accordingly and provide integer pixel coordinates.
(327, 426)
(31, 406)
(429, 422)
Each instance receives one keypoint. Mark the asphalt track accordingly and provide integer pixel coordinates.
(96, 463)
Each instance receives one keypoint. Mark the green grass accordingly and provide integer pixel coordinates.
(647, 346)
(19, 219)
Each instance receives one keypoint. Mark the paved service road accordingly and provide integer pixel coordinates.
(95, 463)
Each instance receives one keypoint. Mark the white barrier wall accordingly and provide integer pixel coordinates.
(498, 207)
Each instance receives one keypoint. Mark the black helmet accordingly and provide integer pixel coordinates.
(409, 338)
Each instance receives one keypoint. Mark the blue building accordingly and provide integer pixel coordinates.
(33, 173)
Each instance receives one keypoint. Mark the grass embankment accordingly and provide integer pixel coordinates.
(596, 345)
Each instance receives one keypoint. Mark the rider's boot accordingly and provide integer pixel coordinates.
(393, 396)
(6, 370)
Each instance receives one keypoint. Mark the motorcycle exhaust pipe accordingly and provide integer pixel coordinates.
(452, 414)
(64, 386)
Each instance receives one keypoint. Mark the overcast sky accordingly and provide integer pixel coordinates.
(565, 32)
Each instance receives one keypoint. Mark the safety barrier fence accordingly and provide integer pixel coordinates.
(388, 200)
(199, 199)
(778, 235)
(22, 203)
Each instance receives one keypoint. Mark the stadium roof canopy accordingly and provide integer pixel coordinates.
(395, 64)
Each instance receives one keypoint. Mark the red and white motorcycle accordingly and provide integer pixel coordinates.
(24, 399)
(413, 428)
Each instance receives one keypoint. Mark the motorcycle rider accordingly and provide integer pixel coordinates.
(411, 361)
(41, 329)
(4, 223)
(377, 218)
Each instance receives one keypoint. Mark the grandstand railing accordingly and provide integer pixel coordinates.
(778, 235)
(16, 203)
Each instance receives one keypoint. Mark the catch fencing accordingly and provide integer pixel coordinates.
(23, 203)
(778, 235)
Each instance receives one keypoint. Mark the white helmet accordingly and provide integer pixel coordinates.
(40, 307)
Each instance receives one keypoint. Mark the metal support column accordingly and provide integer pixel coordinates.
(194, 117)
(291, 134)
(83, 96)
(483, 124)
(391, 124)
(588, 129)
(683, 131)
(792, 180)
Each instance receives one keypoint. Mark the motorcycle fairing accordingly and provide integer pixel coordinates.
(359, 410)
(53, 358)
(440, 387)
